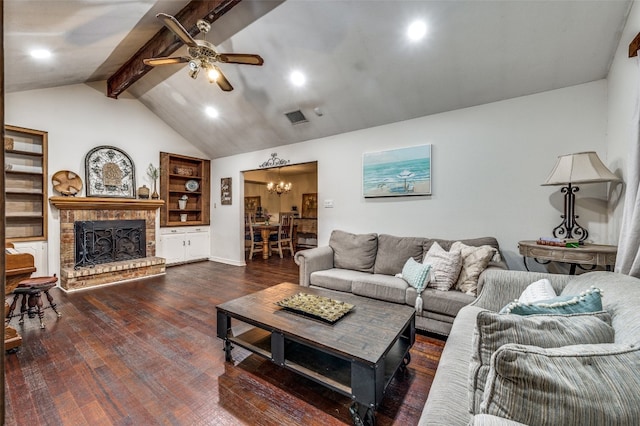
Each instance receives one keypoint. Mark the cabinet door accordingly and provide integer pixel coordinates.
(173, 247)
(37, 249)
(198, 246)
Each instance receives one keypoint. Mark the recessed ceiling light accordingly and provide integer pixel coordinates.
(211, 112)
(417, 30)
(40, 53)
(297, 78)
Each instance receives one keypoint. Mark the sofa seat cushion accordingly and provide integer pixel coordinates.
(381, 287)
(443, 302)
(574, 385)
(336, 278)
(394, 251)
(354, 251)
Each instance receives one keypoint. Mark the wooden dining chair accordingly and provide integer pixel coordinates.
(285, 234)
(253, 240)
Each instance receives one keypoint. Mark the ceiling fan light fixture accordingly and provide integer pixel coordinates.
(212, 74)
(193, 73)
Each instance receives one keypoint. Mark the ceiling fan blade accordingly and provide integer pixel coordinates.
(165, 61)
(240, 58)
(222, 80)
(177, 28)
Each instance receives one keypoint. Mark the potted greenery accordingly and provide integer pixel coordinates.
(182, 202)
(154, 173)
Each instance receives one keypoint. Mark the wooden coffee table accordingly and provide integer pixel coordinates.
(357, 356)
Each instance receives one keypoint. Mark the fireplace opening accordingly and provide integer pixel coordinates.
(105, 241)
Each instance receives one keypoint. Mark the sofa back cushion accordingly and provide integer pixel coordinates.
(573, 385)
(620, 297)
(393, 253)
(354, 251)
(547, 331)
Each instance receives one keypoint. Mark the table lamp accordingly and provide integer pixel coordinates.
(581, 167)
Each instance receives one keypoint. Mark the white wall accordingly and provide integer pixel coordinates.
(622, 82)
(81, 117)
(487, 166)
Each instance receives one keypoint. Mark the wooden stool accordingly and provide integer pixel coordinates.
(31, 290)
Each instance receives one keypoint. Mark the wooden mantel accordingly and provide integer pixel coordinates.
(98, 203)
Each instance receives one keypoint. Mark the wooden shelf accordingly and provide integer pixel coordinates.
(175, 171)
(26, 187)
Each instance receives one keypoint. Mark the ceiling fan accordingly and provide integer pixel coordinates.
(202, 54)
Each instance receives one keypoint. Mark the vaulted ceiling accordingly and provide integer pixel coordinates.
(361, 69)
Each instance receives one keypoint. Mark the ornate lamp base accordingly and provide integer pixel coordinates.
(569, 227)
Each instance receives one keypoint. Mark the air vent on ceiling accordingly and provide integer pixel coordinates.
(296, 117)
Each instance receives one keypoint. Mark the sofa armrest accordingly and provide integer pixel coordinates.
(501, 287)
(315, 259)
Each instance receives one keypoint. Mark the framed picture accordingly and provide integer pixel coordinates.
(251, 204)
(310, 205)
(109, 173)
(397, 172)
(225, 191)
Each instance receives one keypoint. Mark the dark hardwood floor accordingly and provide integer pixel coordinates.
(146, 353)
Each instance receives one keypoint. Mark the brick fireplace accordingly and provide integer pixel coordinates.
(74, 210)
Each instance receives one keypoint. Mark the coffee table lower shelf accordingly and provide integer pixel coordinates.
(363, 382)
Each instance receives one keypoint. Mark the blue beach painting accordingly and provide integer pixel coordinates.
(397, 172)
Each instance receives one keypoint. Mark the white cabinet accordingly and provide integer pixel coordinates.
(179, 245)
(38, 249)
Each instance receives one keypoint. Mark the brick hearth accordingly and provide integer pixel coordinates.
(84, 209)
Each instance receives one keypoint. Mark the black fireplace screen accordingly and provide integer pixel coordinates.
(105, 241)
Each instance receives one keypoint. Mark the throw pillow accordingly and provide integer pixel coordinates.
(445, 267)
(353, 251)
(587, 301)
(572, 385)
(494, 330)
(536, 291)
(393, 252)
(474, 261)
(416, 274)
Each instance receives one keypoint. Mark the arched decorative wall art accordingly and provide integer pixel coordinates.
(109, 173)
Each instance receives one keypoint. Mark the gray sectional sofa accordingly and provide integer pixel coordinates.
(580, 384)
(366, 265)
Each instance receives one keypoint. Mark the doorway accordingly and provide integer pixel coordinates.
(298, 195)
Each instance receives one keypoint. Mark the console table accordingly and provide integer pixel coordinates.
(588, 254)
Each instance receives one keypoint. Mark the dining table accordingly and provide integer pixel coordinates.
(265, 231)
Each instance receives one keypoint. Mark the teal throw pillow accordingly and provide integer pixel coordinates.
(415, 274)
(587, 301)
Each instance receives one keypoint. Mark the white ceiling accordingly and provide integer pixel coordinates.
(361, 69)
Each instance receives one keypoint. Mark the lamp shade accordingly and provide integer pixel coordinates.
(581, 167)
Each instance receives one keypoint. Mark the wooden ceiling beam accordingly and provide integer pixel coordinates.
(634, 46)
(164, 43)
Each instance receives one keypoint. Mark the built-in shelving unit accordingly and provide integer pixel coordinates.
(179, 176)
(25, 184)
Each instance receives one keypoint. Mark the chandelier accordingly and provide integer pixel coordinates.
(279, 188)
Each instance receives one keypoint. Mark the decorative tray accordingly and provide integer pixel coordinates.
(317, 307)
(66, 182)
